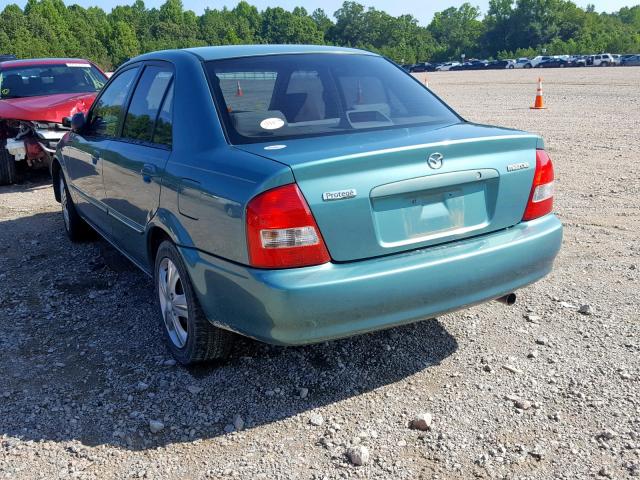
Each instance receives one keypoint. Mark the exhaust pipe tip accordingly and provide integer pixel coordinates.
(508, 299)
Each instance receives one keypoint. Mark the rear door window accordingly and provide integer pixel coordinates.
(163, 133)
(146, 103)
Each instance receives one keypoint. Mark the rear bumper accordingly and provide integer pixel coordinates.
(313, 304)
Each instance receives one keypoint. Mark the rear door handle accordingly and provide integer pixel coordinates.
(148, 172)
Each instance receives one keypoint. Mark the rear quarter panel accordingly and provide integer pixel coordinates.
(204, 198)
(207, 183)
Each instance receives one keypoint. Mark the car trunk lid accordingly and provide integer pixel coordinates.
(383, 192)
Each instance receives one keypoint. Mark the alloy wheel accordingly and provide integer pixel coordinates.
(65, 203)
(173, 303)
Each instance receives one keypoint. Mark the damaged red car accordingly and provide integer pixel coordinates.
(37, 99)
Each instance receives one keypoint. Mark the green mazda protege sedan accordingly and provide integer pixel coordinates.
(297, 194)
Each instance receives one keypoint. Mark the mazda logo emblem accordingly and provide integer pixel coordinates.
(435, 160)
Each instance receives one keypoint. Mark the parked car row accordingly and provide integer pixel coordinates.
(560, 61)
(630, 60)
(541, 61)
(485, 65)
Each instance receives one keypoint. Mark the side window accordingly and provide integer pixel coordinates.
(106, 113)
(163, 133)
(145, 103)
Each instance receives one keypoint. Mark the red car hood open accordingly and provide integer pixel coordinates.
(49, 108)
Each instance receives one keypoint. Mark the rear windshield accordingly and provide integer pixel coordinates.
(38, 80)
(290, 96)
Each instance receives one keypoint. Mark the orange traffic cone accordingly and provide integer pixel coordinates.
(426, 81)
(239, 91)
(539, 103)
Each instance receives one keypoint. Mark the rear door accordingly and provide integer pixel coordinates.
(136, 159)
(84, 152)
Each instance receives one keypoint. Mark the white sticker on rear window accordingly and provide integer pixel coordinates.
(275, 147)
(78, 65)
(273, 123)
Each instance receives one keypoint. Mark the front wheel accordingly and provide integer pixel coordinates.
(7, 167)
(604, 64)
(528, 65)
(191, 338)
(77, 229)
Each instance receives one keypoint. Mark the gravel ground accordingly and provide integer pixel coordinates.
(537, 390)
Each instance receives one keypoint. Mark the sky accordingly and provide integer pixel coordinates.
(423, 10)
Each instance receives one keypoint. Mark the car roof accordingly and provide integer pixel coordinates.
(235, 51)
(231, 51)
(41, 61)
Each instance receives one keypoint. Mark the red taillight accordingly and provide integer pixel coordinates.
(541, 196)
(281, 231)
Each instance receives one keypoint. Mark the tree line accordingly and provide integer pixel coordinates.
(510, 28)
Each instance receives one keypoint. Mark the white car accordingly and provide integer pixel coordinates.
(603, 60)
(531, 63)
(522, 63)
(445, 67)
(536, 60)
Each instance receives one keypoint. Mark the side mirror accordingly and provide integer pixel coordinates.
(77, 122)
(66, 122)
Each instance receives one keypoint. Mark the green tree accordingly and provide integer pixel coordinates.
(281, 26)
(511, 28)
(323, 22)
(350, 28)
(497, 26)
(457, 31)
(123, 43)
(16, 37)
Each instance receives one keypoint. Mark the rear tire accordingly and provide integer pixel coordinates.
(77, 229)
(527, 65)
(7, 167)
(191, 338)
